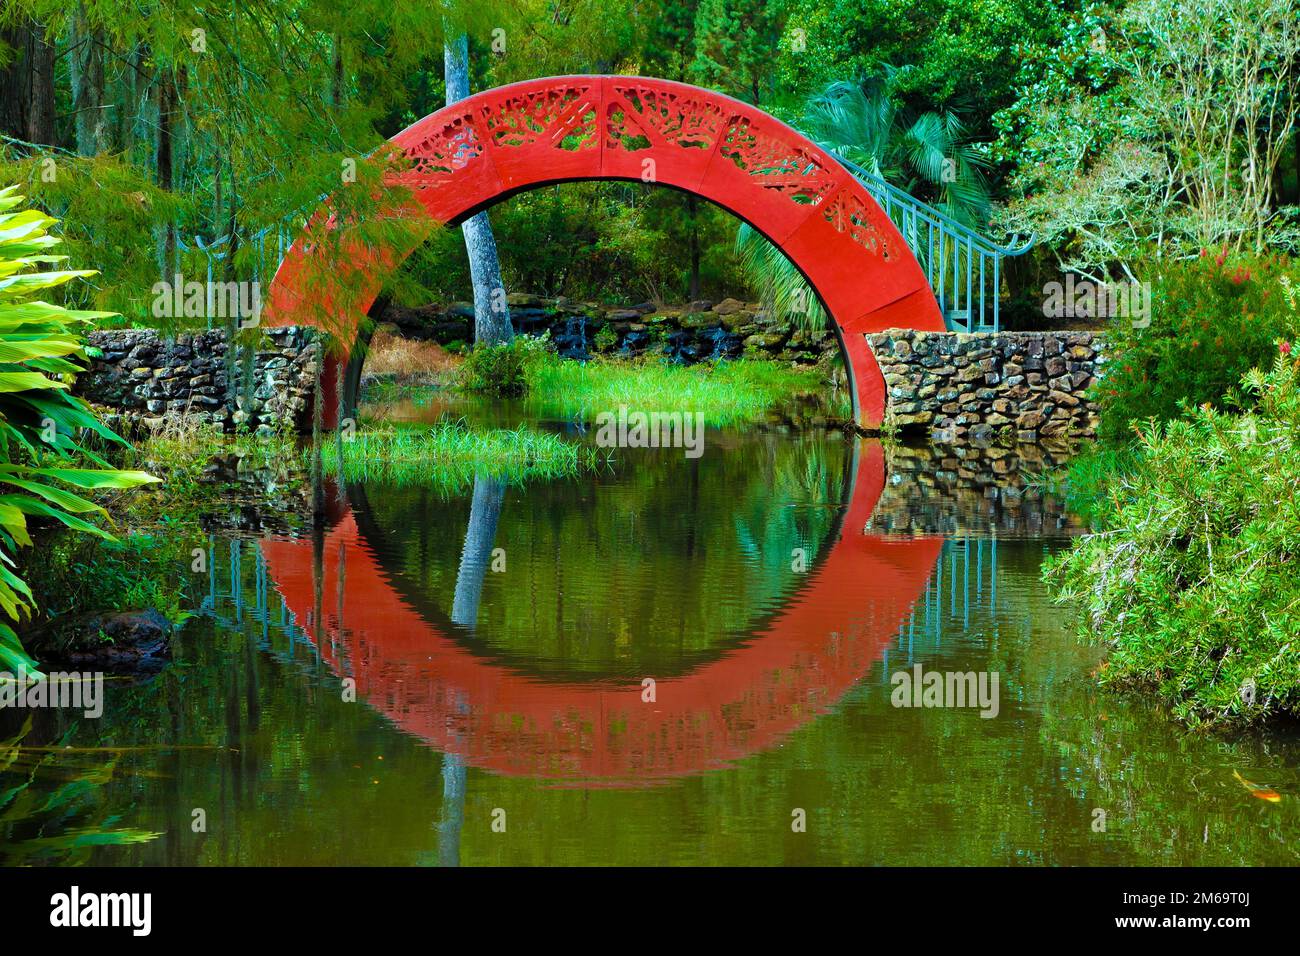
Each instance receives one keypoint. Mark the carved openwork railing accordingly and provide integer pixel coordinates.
(964, 268)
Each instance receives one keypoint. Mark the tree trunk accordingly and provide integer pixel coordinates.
(340, 383)
(484, 515)
(491, 313)
(40, 115)
(453, 810)
(317, 426)
(27, 85)
(13, 86)
(86, 72)
(693, 206)
(164, 168)
(336, 82)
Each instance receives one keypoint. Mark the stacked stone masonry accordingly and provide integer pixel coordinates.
(147, 379)
(1029, 386)
(1026, 386)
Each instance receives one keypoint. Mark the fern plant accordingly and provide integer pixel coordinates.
(41, 423)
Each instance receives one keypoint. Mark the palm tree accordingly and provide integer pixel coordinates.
(922, 152)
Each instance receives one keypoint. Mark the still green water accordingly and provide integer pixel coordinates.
(499, 638)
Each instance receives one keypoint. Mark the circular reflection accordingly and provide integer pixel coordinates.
(417, 669)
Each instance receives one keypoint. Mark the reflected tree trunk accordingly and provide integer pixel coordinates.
(484, 515)
(453, 810)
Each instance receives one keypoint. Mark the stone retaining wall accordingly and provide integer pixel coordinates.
(146, 379)
(979, 386)
(1026, 386)
(687, 333)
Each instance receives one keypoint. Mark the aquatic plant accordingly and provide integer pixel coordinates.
(47, 811)
(450, 454)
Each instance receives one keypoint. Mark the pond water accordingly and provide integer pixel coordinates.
(678, 661)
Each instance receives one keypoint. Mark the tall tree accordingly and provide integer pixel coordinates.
(491, 312)
(86, 77)
(27, 83)
(736, 46)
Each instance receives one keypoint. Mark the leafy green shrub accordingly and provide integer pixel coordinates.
(40, 422)
(502, 369)
(81, 574)
(1212, 320)
(1192, 581)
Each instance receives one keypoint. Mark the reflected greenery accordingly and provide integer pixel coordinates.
(661, 566)
(52, 803)
(649, 564)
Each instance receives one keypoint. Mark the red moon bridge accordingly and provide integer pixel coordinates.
(478, 151)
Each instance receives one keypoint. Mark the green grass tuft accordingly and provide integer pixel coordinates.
(449, 455)
(726, 392)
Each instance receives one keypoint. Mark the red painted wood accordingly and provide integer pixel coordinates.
(467, 156)
(433, 687)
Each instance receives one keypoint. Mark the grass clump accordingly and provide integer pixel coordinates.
(1192, 578)
(450, 454)
(725, 392)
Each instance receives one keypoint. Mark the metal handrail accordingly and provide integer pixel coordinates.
(948, 251)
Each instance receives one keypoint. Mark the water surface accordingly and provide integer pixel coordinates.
(433, 662)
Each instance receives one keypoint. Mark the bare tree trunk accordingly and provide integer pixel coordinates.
(164, 169)
(693, 206)
(340, 381)
(317, 425)
(13, 84)
(86, 72)
(491, 313)
(232, 320)
(40, 116)
(336, 83)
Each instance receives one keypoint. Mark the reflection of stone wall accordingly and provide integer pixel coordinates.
(143, 377)
(1025, 385)
(973, 488)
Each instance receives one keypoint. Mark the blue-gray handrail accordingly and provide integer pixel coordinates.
(964, 268)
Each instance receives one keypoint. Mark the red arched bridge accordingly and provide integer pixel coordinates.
(430, 685)
(464, 158)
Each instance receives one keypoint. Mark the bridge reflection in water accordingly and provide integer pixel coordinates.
(871, 598)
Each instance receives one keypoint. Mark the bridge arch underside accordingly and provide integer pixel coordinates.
(475, 153)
